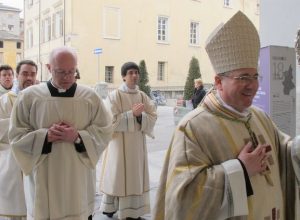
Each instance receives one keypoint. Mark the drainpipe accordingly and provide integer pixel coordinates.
(24, 32)
(64, 29)
(39, 50)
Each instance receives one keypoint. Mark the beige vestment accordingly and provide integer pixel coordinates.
(124, 162)
(194, 183)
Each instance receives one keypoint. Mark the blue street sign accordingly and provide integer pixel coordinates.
(98, 51)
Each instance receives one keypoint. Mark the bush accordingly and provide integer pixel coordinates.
(144, 78)
(194, 73)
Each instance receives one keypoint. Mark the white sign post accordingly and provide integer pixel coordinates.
(98, 51)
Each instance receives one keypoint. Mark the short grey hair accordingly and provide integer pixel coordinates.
(198, 80)
(63, 49)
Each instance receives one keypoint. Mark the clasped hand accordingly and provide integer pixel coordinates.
(137, 109)
(62, 132)
(255, 160)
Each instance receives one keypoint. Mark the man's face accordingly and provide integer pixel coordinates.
(238, 87)
(6, 78)
(63, 70)
(132, 78)
(26, 76)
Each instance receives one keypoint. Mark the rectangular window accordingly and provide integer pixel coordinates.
(1, 58)
(19, 45)
(19, 57)
(46, 29)
(111, 22)
(194, 33)
(161, 71)
(1, 44)
(10, 27)
(2, 26)
(29, 38)
(109, 72)
(57, 25)
(30, 2)
(162, 29)
(226, 3)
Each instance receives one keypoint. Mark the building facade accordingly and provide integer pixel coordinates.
(164, 33)
(11, 43)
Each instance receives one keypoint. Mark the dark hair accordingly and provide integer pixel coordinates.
(29, 62)
(6, 67)
(128, 66)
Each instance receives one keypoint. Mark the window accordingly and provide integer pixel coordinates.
(10, 27)
(30, 2)
(111, 22)
(226, 3)
(161, 71)
(194, 33)
(58, 26)
(109, 71)
(2, 27)
(19, 45)
(19, 57)
(29, 38)
(46, 29)
(162, 29)
(1, 58)
(1, 44)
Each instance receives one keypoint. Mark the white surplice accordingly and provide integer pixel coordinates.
(60, 184)
(12, 199)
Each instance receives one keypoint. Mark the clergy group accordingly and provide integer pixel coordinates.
(226, 160)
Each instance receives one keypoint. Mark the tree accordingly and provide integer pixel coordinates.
(194, 73)
(144, 78)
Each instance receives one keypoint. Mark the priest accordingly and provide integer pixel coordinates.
(58, 131)
(12, 198)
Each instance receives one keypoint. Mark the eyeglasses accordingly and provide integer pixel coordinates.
(62, 73)
(245, 78)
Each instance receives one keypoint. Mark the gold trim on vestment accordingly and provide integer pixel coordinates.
(250, 209)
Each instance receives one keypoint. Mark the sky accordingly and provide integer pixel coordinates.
(14, 3)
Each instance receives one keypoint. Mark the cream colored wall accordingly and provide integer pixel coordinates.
(40, 50)
(85, 24)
